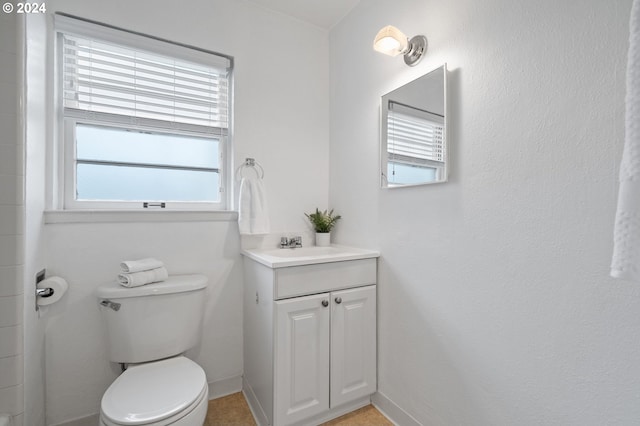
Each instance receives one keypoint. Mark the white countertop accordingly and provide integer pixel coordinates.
(282, 258)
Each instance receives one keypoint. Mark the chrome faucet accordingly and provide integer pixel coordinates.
(293, 242)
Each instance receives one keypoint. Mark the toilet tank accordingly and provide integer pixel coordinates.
(153, 321)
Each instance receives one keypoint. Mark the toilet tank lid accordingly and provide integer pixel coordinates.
(173, 284)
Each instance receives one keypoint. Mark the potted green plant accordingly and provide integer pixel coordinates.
(323, 222)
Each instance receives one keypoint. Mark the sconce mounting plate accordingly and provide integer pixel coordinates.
(417, 48)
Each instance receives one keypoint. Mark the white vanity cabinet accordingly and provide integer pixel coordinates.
(310, 339)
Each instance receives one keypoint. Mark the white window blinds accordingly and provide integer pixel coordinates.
(102, 79)
(414, 136)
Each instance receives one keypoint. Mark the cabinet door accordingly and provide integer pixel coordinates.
(301, 358)
(353, 344)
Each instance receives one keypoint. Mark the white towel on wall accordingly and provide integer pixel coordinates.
(140, 265)
(136, 279)
(625, 262)
(253, 212)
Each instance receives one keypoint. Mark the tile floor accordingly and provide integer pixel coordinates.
(233, 410)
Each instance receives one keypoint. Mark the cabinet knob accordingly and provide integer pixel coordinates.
(338, 300)
(325, 303)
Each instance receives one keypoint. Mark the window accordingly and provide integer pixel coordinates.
(414, 145)
(144, 122)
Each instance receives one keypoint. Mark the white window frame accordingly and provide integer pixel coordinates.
(64, 196)
(70, 158)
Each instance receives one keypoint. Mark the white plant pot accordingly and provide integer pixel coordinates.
(323, 239)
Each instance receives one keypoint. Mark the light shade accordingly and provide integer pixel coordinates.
(391, 41)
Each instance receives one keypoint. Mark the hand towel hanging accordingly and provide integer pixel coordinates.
(253, 213)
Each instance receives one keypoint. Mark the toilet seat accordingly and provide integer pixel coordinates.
(156, 393)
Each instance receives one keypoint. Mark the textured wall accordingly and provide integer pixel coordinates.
(495, 305)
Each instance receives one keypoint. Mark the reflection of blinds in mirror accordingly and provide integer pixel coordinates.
(414, 136)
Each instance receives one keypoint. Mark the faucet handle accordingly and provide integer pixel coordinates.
(284, 242)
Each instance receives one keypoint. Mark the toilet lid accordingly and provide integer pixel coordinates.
(149, 393)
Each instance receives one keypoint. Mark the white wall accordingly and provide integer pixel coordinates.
(281, 118)
(11, 226)
(495, 305)
(34, 126)
(35, 133)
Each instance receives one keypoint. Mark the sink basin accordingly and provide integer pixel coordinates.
(280, 258)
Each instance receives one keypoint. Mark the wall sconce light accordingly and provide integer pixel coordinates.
(391, 41)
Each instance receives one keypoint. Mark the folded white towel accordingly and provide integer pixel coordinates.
(136, 279)
(253, 213)
(625, 262)
(140, 265)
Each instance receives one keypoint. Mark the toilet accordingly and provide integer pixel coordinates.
(148, 330)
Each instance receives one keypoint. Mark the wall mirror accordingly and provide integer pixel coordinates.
(413, 134)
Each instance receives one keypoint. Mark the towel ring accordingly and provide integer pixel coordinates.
(252, 163)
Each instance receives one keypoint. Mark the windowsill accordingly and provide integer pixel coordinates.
(111, 216)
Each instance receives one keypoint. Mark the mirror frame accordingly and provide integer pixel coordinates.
(384, 110)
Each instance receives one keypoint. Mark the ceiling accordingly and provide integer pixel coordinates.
(322, 13)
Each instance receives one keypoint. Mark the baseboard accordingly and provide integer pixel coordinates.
(252, 401)
(225, 387)
(391, 411)
(91, 420)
